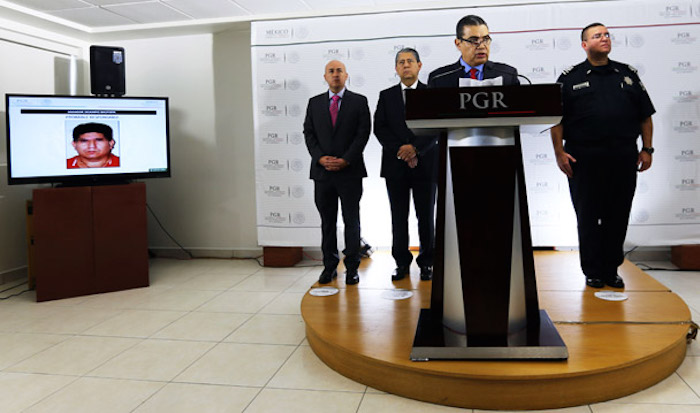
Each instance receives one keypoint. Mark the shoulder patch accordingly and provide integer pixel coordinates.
(568, 70)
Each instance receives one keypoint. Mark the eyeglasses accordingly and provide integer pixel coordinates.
(597, 36)
(477, 41)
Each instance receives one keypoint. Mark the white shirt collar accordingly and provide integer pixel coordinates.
(413, 86)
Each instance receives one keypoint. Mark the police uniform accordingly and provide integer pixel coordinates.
(603, 108)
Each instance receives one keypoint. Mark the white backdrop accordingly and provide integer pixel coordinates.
(659, 38)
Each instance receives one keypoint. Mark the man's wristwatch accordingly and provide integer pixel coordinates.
(648, 149)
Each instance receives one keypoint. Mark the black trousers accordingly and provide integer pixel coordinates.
(602, 188)
(326, 195)
(399, 190)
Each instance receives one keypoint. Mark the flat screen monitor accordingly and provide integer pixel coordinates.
(86, 140)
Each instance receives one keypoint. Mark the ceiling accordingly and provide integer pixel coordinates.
(95, 16)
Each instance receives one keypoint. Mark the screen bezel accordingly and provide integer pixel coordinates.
(88, 179)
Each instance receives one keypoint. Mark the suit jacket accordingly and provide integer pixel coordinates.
(448, 76)
(347, 139)
(391, 131)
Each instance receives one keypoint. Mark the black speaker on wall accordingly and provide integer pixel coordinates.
(107, 76)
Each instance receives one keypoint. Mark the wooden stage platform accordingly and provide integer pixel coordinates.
(615, 348)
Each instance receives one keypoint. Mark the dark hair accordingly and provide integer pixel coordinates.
(83, 128)
(583, 32)
(407, 50)
(470, 20)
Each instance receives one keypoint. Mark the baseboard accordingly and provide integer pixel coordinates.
(178, 253)
(13, 275)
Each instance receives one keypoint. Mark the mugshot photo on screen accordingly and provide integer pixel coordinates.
(92, 143)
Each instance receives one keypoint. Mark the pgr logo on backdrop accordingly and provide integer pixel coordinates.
(687, 184)
(687, 155)
(540, 158)
(684, 66)
(271, 57)
(273, 138)
(276, 218)
(272, 110)
(275, 191)
(673, 10)
(685, 96)
(541, 72)
(683, 38)
(687, 213)
(335, 53)
(542, 187)
(272, 84)
(538, 44)
(273, 165)
(685, 126)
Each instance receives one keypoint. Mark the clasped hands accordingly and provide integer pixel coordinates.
(407, 153)
(331, 163)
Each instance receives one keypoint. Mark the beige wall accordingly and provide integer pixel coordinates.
(208, 204)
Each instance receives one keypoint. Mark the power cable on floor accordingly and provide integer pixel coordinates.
(189, 254)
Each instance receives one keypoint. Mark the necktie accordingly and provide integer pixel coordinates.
(473, 72)
(334, 108)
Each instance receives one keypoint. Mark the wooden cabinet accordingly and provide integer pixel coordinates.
(89, 240)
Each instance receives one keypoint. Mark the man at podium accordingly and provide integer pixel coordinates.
(474, 42)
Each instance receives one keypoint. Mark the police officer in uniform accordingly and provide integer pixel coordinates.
(606, 108)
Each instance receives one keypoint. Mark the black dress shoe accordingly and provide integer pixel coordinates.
(595, 282)
(399, 273)
(615, 281)
(327, 276)
(351, 277)
(426, 273)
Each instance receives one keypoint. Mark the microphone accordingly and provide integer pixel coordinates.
(509, 73)
(524, 77)
(447, 73)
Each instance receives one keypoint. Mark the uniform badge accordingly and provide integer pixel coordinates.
(628, 80)
(582, 85)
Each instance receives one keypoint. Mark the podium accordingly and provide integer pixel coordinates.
(484, 302)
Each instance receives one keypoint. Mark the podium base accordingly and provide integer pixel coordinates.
(434, 342)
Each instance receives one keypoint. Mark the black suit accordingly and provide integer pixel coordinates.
(448, 76)
(392, 132)
(346, 140)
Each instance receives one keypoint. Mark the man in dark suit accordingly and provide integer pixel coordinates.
(474, 42)
(336, 129)
(408, 164)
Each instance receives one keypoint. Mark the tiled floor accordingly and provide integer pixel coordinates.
(222, 336)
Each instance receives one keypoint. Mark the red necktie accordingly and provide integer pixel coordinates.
(473, 72)
(334, 108)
